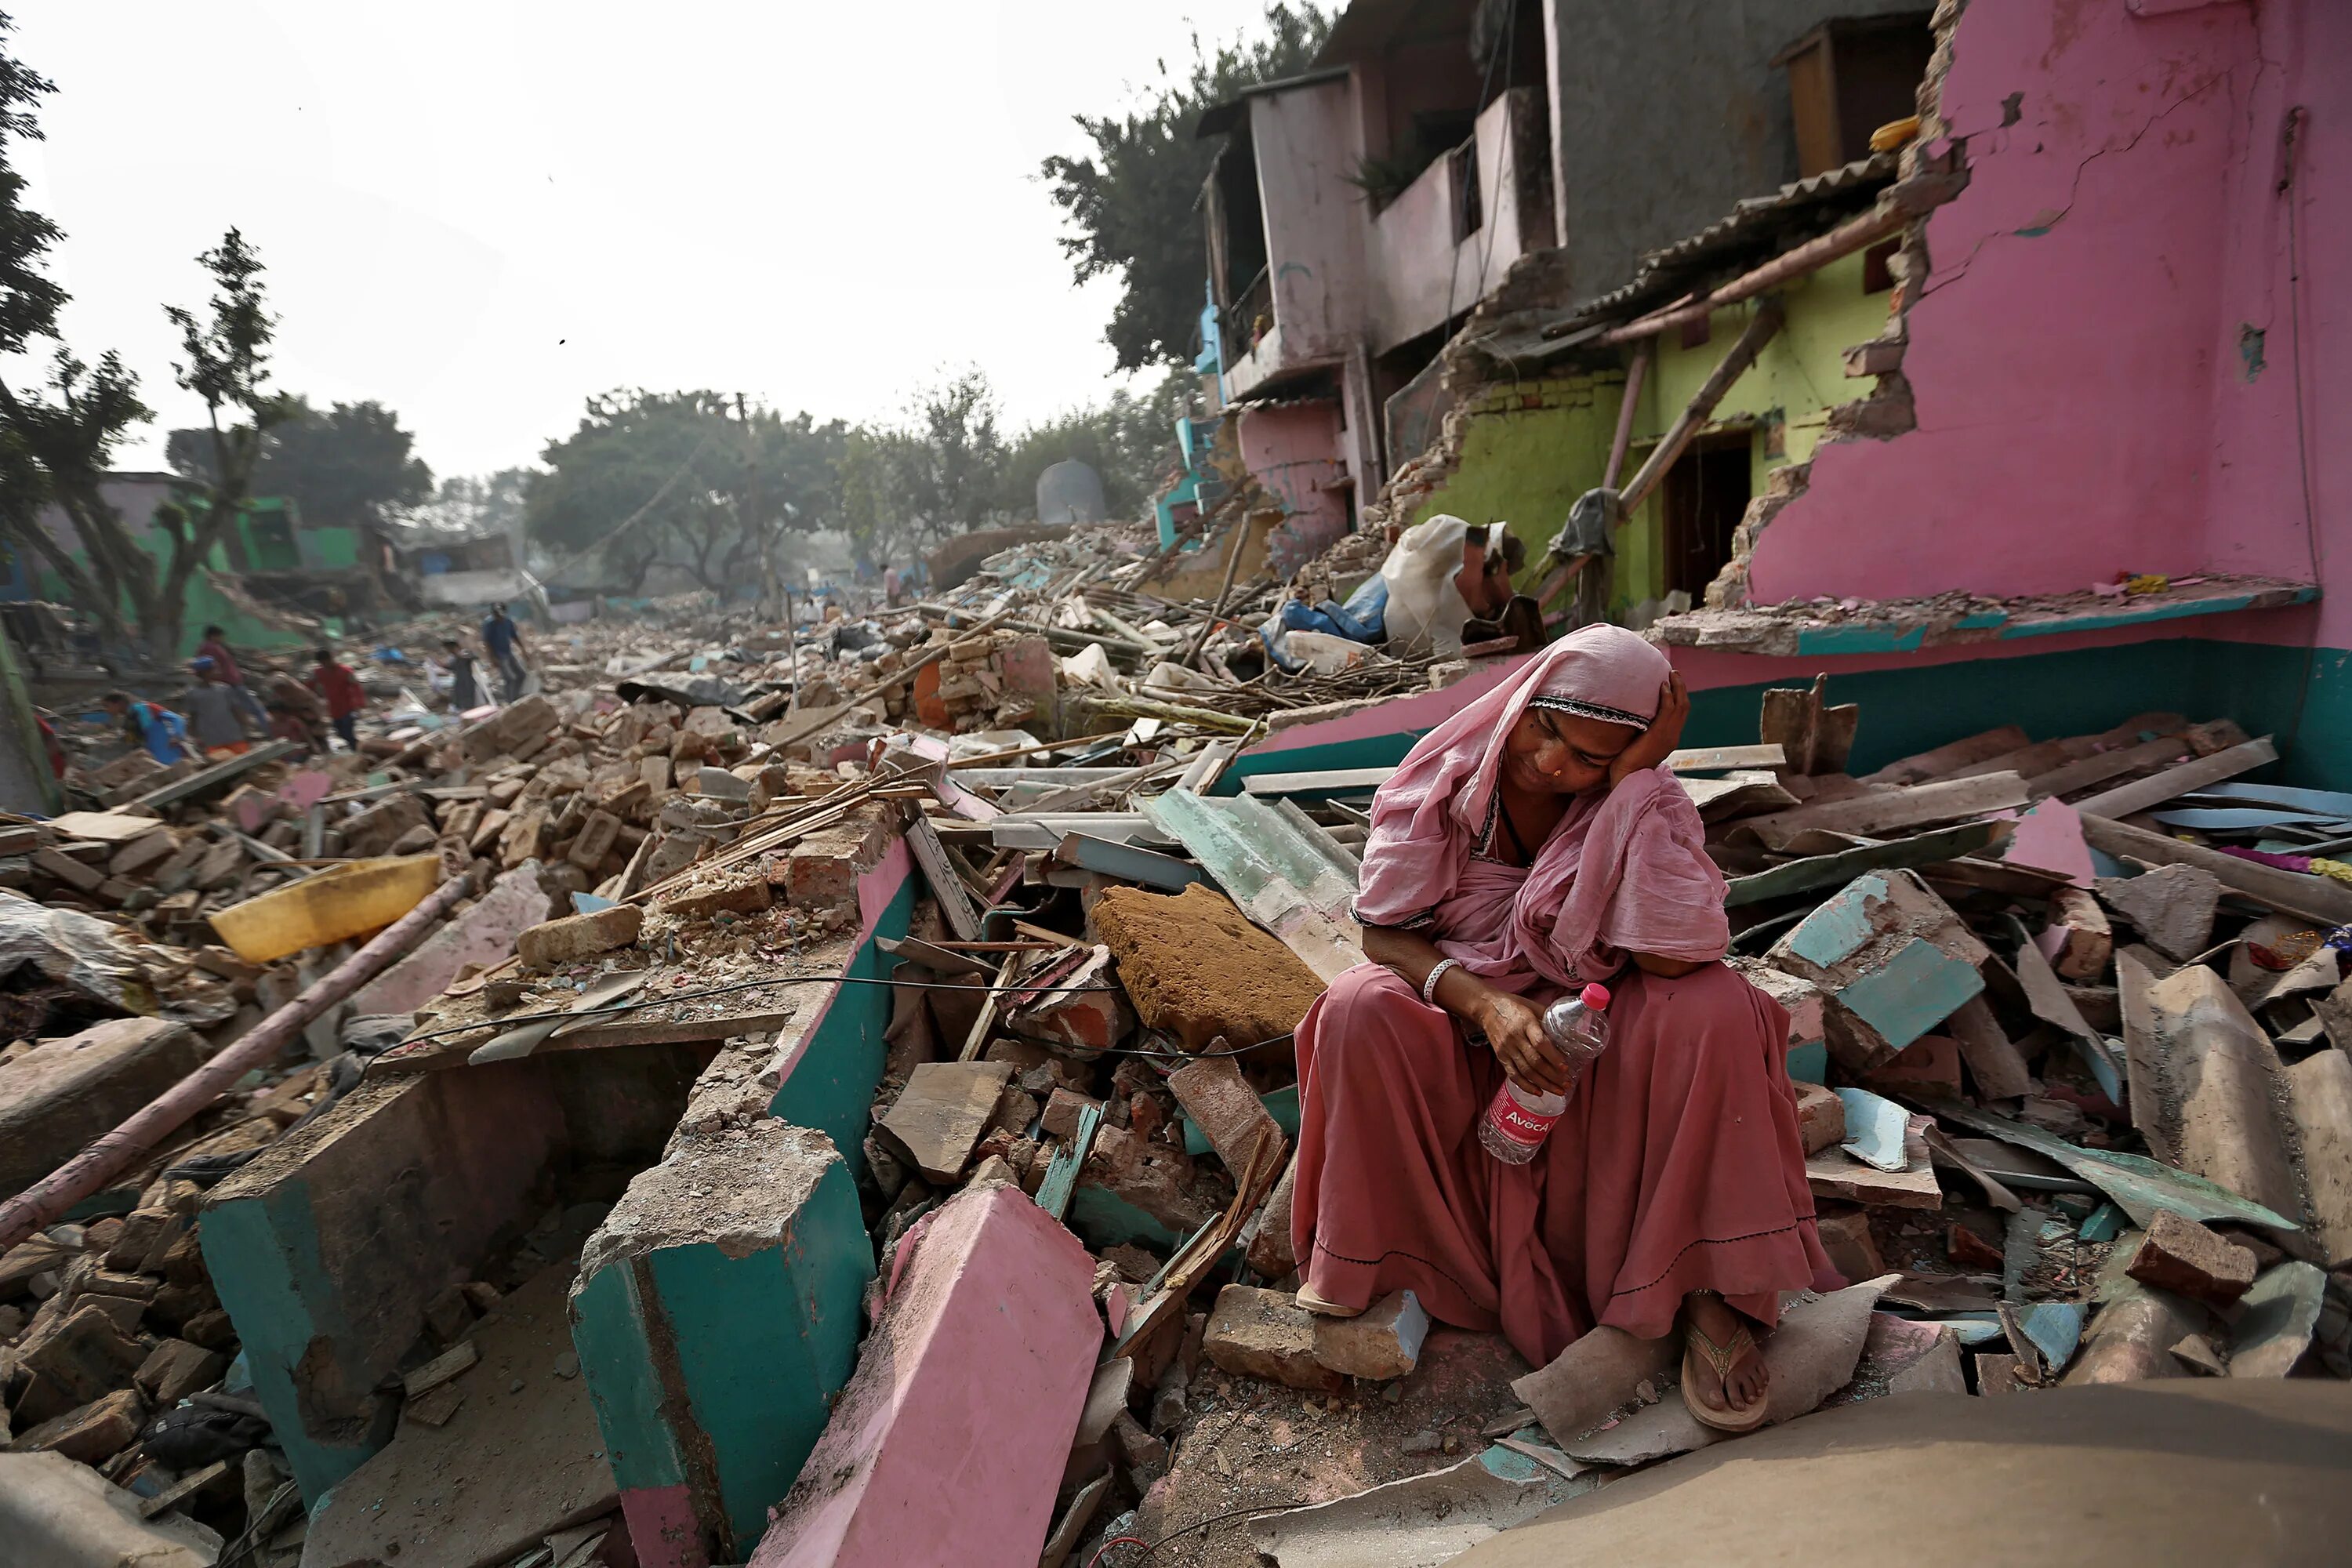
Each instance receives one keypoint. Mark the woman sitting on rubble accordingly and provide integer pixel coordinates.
(1531, 844)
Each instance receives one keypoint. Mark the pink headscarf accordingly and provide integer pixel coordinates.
(1625, 871)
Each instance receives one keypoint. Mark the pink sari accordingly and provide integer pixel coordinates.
(1678, 1165)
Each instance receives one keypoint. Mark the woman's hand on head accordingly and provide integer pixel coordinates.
(1656, 743)
(1514, 1027)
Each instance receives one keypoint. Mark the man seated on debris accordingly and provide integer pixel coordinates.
(226, 670)
(212, 711)
(164, 732)
(1531, 844)
(1447, 583)
(335, 682)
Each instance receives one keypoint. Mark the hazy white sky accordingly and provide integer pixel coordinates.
(482, 213)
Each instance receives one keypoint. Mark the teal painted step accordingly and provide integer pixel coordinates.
(2302, 696)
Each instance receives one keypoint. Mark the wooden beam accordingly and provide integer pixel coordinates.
(2140, 794)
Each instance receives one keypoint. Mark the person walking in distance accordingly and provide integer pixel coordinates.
(502, 640)
(340, 689)
(226, 671)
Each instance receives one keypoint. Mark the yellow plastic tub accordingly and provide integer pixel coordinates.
(365, 895)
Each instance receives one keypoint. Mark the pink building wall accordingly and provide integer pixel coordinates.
(2085, 403)
(1294, 452)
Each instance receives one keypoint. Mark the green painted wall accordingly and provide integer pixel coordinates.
(832, 1086)
(1532, 447)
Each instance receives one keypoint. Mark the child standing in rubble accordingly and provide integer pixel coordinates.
(1531, 844)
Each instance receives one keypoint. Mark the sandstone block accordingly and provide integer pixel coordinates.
(2183, 1256)
(1267, 1334)
(1381, 1342)
(554, 944)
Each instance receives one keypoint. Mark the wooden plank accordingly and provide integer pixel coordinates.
(1062, 1171)
(2100, 766)
(1331, 781)
(1939, 763)
(1842, 867)
(2309, 897)
(947, 885)
(1720, 759)
(1874, 813)
(219, 774)
(2141, 794)
(990, 1005)
(2141, 1071)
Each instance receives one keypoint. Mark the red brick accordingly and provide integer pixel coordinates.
(2181, 1256)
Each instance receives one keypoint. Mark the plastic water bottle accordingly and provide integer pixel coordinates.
(1517, 1121)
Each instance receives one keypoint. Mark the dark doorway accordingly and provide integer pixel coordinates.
(1703, 499)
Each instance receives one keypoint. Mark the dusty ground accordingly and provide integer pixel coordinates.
(1248, 1445)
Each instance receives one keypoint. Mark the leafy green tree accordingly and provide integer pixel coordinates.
(1131, 202)
(704, 481)
(351, 466)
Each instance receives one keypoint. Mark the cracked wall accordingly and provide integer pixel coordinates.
(2083, 404)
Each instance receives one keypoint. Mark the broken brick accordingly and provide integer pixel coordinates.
(1063, 1110)
(1820, 1117)
(1226, 1108)
(1381, 1342)
(92, 1434)
(940, 1114)
(1847, 1240)
(747, 896)
(176, 1369)
(2183, 1256)
(1267, 1334)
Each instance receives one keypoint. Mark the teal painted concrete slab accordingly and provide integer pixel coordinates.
(1873, 637)
(1840, 927)
(830, 1085)
(610, 1336)
(1283, 1104)
(1912, 992)
(1102, 1218)
(1810, 1062)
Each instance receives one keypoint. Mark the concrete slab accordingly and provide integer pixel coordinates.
(949, 1444)
(55, 1513)
(520, 1458)
(60, 1095)
(2187, 1472)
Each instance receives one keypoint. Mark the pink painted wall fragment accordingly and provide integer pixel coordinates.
(949, 1440)
(1295, 452)
(2050, 837)
(482, 935)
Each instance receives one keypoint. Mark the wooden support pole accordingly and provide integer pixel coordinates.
(1760, 330)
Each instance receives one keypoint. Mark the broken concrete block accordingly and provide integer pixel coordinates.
(1928, 1065)
(2320, 1104)
(1226, 1108)
(2181, 1256)
(93, 1434)
(736, 1252)
(1902, 1357)
(1992, 1058)
(1820, 1117)
(1381, 1342)
(985, 1350)
(1996, 1372)
(1847, 1240)
(743, 896)
(2199, 1357)
(175, 1369)
(63, 1094)
(1894, 960)
(483, 935)
(2131, 1339)
(942, 1114)
(1134, 1190)
(1267, 1334)
(1270, 1250)
(1063, 1110)
(1197, 968)
(560, 943)
(2172, 906)
(54, 1512)
(2078, 942)
(89, 1354)
(2222, 1079)
(1107, 1398)
(1808, 1054)
(2276, 1319)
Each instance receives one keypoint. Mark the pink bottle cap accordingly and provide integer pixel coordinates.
(1594, 997)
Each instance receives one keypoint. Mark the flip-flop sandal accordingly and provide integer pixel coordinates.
(1722, 1358)
(1315, 1304)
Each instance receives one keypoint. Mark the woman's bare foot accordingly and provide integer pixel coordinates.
(1749, 1380)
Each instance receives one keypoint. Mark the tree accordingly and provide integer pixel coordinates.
(54, 441)
(703, 481)
(225, 362)
(347, 467)
(1131, 203)
(462, 504)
